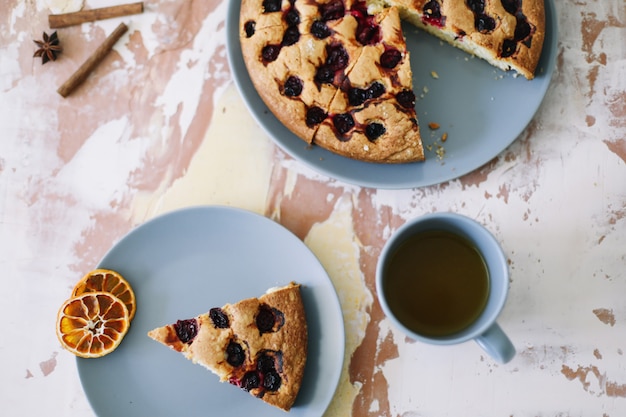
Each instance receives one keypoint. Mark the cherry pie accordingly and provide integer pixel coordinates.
(257, 344)
(337, 72)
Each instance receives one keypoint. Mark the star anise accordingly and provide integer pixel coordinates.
(49, 48)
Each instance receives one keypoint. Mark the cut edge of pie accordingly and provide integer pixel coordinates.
(258, 344)
(508, 34)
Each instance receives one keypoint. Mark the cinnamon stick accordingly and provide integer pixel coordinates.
(92, 62)
(76, 18)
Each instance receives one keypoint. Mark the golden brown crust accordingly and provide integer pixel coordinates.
(287, 342)
(291, 340)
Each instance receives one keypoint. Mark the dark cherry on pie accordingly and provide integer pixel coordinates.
(258, 344)
(337, 72)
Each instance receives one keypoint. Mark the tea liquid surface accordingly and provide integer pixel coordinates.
(437, 283)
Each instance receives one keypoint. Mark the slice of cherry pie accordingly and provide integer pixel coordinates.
(258, 344)
(335, 75)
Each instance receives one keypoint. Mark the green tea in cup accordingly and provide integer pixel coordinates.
(437, 283)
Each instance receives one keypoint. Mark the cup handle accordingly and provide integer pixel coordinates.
(497, 344)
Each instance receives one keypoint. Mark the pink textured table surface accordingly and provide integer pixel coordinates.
(159, 125)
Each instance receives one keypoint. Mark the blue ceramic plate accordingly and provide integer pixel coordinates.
(180, 265)
(482, 109)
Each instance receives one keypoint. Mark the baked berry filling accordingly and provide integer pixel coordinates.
(291, 36)
(390, 58)
(293, 86)
(269, 53)
(509, 46)
(186, 330)
(292, 33)
(292, 16)
(250, 380)
(523, 29)
(374, 130)
(320, 30)
(358, 96)
(337, 57)
(265, 376)
(432, 14)
(367, 31)
(270, 6)
(249, 28)
(269, 319)
(482, 22)
(267, 361)
(511, 6)
(235, 354)
(406, 99)
(314, 116)
(324, 75)
(272, 381)
(265, 319)
(343, 123)
(476, 6)
(332, 10)
(375, 90)
(219, 319)
(337, 60)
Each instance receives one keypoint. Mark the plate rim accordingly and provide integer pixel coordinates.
(315, 159)
(167, 216)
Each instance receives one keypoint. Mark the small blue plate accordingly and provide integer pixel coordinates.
(180, 265)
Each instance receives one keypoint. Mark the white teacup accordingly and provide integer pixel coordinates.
(430, 283)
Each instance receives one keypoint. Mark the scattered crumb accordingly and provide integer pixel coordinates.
(425, 90)
(434, 74)
(441, 151)
(438, 141)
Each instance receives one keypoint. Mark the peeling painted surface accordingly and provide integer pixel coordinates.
(160, 125)
(48, 366)
(594, 381)
(605, 315)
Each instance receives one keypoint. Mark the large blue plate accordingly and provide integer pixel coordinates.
(482, 109)
(180, 265)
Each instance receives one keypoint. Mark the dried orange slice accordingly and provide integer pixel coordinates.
(92, 324)
(108, 281)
